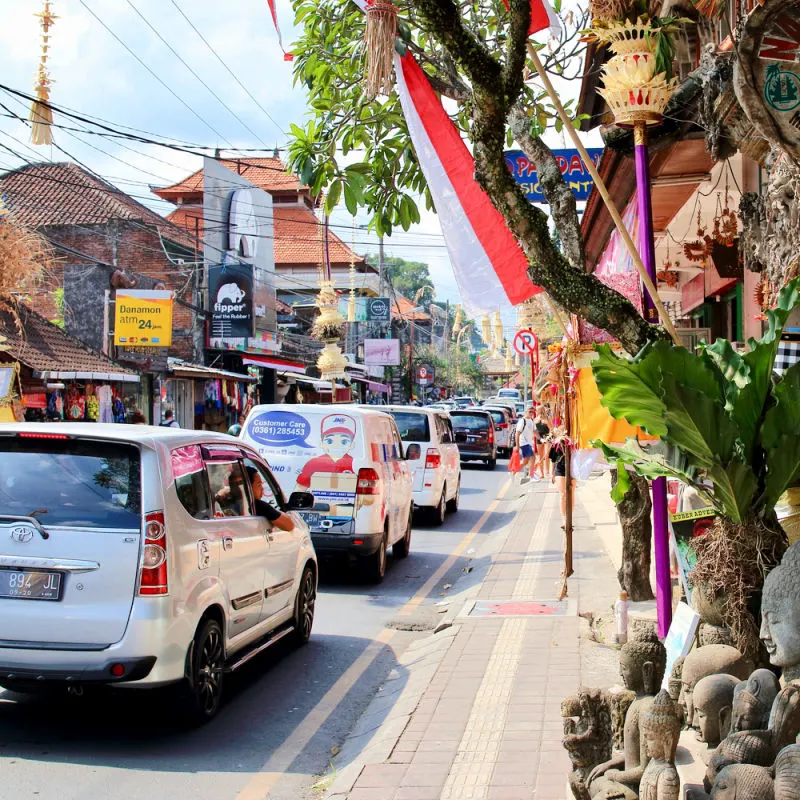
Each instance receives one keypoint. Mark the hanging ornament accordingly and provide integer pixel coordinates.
(699, 250)
(509, 365)
(666, 274)
(381, 31)
(329, 325)
(41, 115)
(486, 330)
(351, 305)
(331, 362)
(457, 320)
(726, 223)
(497, 344)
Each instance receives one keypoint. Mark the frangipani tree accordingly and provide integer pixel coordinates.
(730, 428)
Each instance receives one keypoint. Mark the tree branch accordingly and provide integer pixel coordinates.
(556, 192)
(516, 54)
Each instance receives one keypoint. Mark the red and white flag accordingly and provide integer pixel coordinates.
(542, 16)
(274, 12)
(489, 265)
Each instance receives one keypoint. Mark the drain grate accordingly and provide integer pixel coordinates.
(519, 608)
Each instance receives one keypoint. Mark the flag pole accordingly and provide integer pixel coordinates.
(601, 187)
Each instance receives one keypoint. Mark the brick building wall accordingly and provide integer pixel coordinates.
(133, 248)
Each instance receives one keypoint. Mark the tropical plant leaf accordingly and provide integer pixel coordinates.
(734, 490)
(623, 483)
(650, 463)
(630, 389)
(780, 437)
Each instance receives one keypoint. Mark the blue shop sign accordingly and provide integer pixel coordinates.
(570, 163)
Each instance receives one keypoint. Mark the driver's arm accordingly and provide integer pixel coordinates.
(277, 518)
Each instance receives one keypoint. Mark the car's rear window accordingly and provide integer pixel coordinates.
(413, 427)
(71, 483)
(469, 422)
(498, 416)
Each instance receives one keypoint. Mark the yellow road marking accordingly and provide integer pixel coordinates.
(259, 786)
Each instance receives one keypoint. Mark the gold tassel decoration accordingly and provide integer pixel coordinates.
(41, 115)
(381, 30)
(351, 305)
(498, 334)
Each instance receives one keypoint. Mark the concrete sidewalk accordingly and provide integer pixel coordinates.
(473, 712)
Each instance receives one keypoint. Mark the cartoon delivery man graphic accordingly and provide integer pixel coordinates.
(337, 435)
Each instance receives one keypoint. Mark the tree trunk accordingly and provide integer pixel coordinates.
(637, 534)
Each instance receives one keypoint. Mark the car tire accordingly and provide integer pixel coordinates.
(200, 693)
(402, 548)
(375, 564)
(491, 463)
(304, 605)
(439, 511)
(452, 503)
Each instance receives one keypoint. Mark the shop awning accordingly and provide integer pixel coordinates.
(373, 386)
(270, 362)
(183, 369)
(95, 377)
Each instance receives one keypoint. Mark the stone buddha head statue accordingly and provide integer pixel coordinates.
(642, 662)
(661, 727)
(752, 701)
(743, 782)
(709, 660)
(675, 679)
(713, 703)
(780, 614)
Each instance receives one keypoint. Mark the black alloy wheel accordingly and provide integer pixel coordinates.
(491, 463)
(203, 695)
(304, 606)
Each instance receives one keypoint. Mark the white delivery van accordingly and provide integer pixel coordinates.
(352, 460)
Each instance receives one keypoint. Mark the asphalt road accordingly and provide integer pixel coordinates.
(286, 710)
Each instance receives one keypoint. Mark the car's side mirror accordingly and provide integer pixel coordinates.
(300, 501)
(413, 452)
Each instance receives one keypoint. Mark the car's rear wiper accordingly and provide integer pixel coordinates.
(31, 520)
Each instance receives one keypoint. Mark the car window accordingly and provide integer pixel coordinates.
(71, 482)
(229, 489)
(398, 452)
(470, 422)
(271, 493)
(191, 482)
(445, 432)
(498, 416)
(413, 426)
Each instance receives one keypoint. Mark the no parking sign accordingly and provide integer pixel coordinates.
(526, 343)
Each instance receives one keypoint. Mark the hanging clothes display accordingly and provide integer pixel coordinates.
(105, 401)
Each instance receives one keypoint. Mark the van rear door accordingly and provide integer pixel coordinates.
(70, 525)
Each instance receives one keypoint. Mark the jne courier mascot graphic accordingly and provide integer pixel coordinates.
(337, 435)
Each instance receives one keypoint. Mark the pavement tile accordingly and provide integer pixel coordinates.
(416, 793)
(381, 776)
(368, 794)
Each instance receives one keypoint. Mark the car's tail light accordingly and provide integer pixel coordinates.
(29, 435)
(502, 425)
(432, 458)
(368, 481)
(490, 435)
(153, 576)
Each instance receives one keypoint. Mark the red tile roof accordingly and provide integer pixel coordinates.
(403, 308)
(45, 347)
(40, 195)
(268, 174)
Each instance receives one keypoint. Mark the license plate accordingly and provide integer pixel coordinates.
(22, 585)
(312, 519)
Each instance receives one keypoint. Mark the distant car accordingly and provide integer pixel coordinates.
(145, 559)
(519, 410)
(475, 435)
(503, 426)
(511, 394)
(433, 456)
(465, 402)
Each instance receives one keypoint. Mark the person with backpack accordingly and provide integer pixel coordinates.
(169, 420)
(525, 437)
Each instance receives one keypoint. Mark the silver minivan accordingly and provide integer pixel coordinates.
(140, 556)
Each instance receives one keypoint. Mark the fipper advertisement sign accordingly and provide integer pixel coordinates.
(143, 318)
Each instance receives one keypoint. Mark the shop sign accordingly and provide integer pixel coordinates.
(767, 72)
(693, 294)
(382, 352)
(143, 318)
(367, 309)
(569, 162)
(230, 291)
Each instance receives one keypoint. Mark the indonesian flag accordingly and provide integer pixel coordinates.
(273, 11)
(489, 265)
(542, 16)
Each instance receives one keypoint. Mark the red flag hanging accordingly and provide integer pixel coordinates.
(542, 16)
(274, 12)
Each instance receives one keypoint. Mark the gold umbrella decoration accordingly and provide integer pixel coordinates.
(486, 330)
(41, 115)
(497, 344)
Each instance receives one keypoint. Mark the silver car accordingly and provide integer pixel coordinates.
(141, 557)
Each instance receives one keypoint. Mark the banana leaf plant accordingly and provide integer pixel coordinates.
(730, 428)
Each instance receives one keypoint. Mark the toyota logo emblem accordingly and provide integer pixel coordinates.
(22, 534)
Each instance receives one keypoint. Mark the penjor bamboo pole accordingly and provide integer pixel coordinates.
(601, 187)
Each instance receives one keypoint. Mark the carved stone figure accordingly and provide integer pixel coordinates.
(710, 660)
(587, 735)
(752, 701)
(661, 728)
(675, 679)
(787, 773)
(619, 701)
(743, 782)
(784, 719)
(642, 662)
(714, 634)
(780, 614)
(713, 704)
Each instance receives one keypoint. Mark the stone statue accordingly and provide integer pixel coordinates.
(713, 634)
(713, 704)
(642, 662)
(587, 735)
(780, 614)
(675, 679)
(787, 773)
(709, 660)
(743, 782)
(661, 728)
(784, 719)
(619, 701)
(752, 701)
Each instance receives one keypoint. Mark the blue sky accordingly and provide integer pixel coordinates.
(94, 74)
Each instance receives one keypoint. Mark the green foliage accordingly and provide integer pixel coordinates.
(623, 483)
(58, 300)
(407, 277)
(733, 428)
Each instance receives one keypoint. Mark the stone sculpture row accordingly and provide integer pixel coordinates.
(622, 743)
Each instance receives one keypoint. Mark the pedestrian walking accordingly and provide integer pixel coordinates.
(169, 420)
(558, 456)
(236, 428)
(542, 444)
(525, 437)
